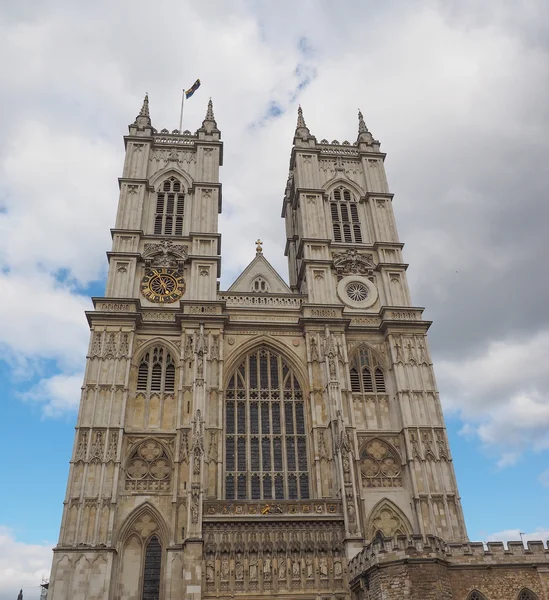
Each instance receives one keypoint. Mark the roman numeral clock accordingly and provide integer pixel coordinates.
(163, 280)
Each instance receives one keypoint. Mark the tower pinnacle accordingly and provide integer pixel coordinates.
(143, 119)
(361, 124)
(301, 129)
(209, 123)
(210, 112)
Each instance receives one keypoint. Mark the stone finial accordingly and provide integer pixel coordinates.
(301, 129)
(143, 119)
(259, 246)
(210, 112)
(209, 123)
(300, 119)
(361, 124)
(364, 136)
(20, 597)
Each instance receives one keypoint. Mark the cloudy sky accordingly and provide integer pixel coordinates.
(457, 92)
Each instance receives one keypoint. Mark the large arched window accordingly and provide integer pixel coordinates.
(156, 372)
(170, 208)
(345, 221)
(366, 374)
(265, 444)
(526, 594)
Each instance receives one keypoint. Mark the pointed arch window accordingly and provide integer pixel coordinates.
(527, 594)
(156, 372)
(152, 569)
(170, 208)
(345, 221)
(265, 437)
(366, 374)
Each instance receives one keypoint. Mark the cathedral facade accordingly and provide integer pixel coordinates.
(270, 439)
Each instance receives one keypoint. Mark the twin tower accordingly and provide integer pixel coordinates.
(251, 442)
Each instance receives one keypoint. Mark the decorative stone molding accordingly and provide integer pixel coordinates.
(352, 262)
(165, 254)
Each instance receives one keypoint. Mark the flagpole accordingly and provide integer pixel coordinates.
(181, 114)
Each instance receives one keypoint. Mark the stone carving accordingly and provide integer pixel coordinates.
(296, 566)
(352, 262)
(309, 566)
(149, 468)
(314, 349)
(82, 448)
(414, 444)
(212, 447)
(282, 567)
(195, 494)
(184, 447)
(323, 566)
(197, 443)
(96, 451)
(338, 568)
(225, 570)
(214, 352)
(441, 445)
(380, 465)
(188, 351)
(124, 347)
(165, 254)
(145, 526)
(387, 522)
(267, 565)
(239, 567)
(112, 449)
(253, 567)
(96, 344)
(110, 346)
(210, 569)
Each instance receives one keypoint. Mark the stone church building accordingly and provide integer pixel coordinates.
(273, 439)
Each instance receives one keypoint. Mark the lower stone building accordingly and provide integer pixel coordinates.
(427, 568)
(272, 439)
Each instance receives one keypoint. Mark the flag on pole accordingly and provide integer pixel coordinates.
(192, 89)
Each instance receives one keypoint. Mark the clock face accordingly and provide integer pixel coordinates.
(163, 285)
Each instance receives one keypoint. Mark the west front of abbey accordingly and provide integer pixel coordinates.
(273, 439)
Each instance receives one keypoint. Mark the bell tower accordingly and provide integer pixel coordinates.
(345, 256)
(135, 482)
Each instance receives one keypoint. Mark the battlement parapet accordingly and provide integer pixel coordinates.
(417, 547)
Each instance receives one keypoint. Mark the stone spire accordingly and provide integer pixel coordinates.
(361, 124)
(301, 129)
(364, 136)
(209, 123)
(143, 119)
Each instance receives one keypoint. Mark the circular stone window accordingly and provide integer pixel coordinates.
(357, 292)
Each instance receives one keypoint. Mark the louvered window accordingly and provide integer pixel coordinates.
(365, 373)
(345, 221)
(265, 444)
(170, 208)
(156, 372)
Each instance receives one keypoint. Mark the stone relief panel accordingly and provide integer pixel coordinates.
(386, 519)
(380, 464)
(148, 468)
(274, 558)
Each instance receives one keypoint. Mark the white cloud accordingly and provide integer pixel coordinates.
(22, 566)
(58, 394)
(502, 394)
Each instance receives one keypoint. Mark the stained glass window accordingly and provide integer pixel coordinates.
(265, 431)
